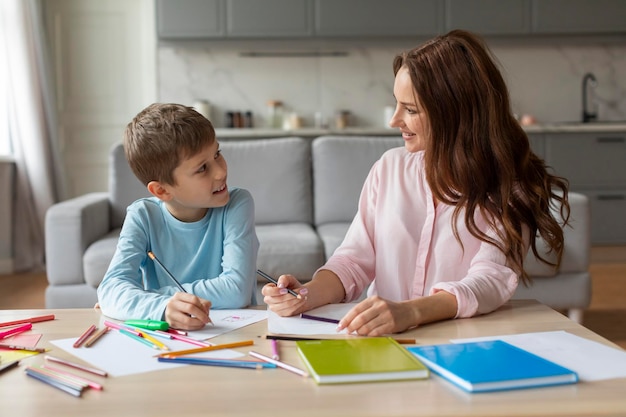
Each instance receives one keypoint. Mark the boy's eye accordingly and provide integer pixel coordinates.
(202, 168)
(218, 153)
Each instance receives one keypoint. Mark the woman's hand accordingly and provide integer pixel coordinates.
(187, 311)
(279, 300)
(375, 316)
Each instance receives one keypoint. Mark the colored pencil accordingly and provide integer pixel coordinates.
(296, 338)
(318, 318)
(273, 281)
(75, 365)
(80, 379)
(79, 342)
(138, 338)
(30, 320)
(189, 340)
(207, 348)
(278, 363)
(33, 373)
(15, 347)
(167, 272)
(93, 339)
(231, 363)
(274, 344)
(16, 330)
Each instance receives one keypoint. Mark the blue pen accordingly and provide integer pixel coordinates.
(233, 363)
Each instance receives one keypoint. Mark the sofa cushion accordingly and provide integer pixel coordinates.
(332, 235)
(98, 257)
(289, 248)
(340, 166)
(124, 187)
(277, 172)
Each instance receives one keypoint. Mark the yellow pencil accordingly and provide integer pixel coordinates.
(206, 349)
(154, 340)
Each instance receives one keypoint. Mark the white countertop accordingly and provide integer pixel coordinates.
(554, 127)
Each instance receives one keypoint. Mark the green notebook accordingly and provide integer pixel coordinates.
(359, 360)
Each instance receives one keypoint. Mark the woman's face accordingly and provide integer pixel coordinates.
(409, 116)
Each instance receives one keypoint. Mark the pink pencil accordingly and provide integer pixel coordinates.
(16, 330)
(186, 339)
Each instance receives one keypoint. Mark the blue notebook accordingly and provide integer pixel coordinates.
(491, 366)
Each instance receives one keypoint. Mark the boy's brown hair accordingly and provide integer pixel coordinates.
(160, 136)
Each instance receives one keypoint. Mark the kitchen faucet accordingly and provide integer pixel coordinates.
(589, 80)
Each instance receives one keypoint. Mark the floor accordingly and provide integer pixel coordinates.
(606, 315)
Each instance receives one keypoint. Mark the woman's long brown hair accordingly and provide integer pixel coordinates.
(478, 157)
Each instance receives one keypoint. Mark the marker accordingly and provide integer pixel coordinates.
(273, 281)
(149, 324)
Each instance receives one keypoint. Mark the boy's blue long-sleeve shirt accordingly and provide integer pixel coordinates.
(213, 258)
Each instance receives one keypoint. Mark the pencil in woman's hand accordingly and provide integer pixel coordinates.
(273, 281)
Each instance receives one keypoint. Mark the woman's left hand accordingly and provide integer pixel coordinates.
(375, 316)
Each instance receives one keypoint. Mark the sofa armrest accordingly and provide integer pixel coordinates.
(71, 226)
(577, 240)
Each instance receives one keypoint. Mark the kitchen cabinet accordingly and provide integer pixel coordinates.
(578, 16)
(269, 18)
(293, 19)
(489, 17)
(188, 19)
(594, 165)
(320, 19)
(349, 18)
(537, 144)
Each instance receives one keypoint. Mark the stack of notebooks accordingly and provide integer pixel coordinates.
(491, 366)
(359, 360)
(474, 366)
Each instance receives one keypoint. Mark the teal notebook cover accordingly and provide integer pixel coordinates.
(359, 360)
(491, 366)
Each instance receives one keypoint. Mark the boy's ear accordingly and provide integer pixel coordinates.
(159, 191)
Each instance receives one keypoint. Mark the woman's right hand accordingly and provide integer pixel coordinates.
(280, 301)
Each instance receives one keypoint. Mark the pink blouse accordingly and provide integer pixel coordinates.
(403, 244)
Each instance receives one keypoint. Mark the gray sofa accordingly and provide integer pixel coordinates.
(305, 192)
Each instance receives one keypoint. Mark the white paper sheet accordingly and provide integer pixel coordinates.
(592, 361)
(120, 355)
(300, 326)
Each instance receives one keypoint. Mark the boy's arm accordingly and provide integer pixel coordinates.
(121, 293)
(235, 286)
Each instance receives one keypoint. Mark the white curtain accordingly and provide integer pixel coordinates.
(30, 118)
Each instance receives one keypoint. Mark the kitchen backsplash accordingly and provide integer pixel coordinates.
(544, 77)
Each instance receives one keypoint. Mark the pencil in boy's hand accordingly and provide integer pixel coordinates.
(273, 281)
(169, 274)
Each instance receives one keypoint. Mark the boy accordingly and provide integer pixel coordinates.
(202, 232)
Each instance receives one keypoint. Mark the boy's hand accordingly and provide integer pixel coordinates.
(187, 311)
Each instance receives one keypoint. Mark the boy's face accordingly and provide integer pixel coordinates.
(200, 184)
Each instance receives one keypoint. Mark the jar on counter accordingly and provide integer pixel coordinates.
(342, 119)
(275, 114)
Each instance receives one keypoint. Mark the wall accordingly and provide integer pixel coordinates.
(544, 76)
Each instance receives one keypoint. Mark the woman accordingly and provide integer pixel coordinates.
(443, 224)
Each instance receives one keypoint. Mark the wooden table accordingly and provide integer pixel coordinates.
(212, 391)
